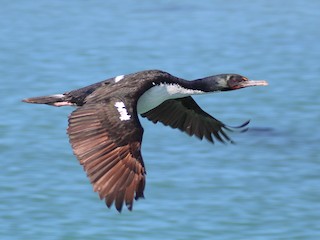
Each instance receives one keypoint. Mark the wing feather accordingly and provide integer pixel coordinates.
(186, 115)
(112, 160)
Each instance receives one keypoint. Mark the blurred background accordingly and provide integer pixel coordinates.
(264, 187)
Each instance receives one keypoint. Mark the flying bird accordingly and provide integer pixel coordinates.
(105, 132)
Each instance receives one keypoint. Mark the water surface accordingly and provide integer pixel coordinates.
(264, 187)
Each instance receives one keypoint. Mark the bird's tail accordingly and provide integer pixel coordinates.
(57, 100)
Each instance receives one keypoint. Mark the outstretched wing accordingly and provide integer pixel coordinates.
(106, 138)
(186, 115)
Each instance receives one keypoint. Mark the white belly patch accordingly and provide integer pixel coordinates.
(160, 93)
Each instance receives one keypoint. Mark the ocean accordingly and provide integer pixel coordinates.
(266, 186)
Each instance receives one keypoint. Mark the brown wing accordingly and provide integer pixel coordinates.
(186, 115)
(109, 150)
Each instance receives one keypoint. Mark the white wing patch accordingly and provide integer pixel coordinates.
(118, 78)
(123, 111)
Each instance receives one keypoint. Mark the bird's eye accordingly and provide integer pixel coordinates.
(231, 78)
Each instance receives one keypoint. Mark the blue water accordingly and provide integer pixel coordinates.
(267, 186)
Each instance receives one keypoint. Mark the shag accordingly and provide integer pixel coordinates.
(106, 134)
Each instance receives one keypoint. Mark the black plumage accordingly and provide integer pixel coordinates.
(106, 134)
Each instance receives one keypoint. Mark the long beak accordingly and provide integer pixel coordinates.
(251, 83)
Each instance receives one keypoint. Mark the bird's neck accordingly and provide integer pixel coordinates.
(178, 88)
(209, 84)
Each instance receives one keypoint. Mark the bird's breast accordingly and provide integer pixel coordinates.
(157, 94)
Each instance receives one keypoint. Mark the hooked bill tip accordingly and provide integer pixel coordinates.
(258, 83)
(252, 83)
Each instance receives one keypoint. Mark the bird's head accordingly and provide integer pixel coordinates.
(227, 82)
(236, 81)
